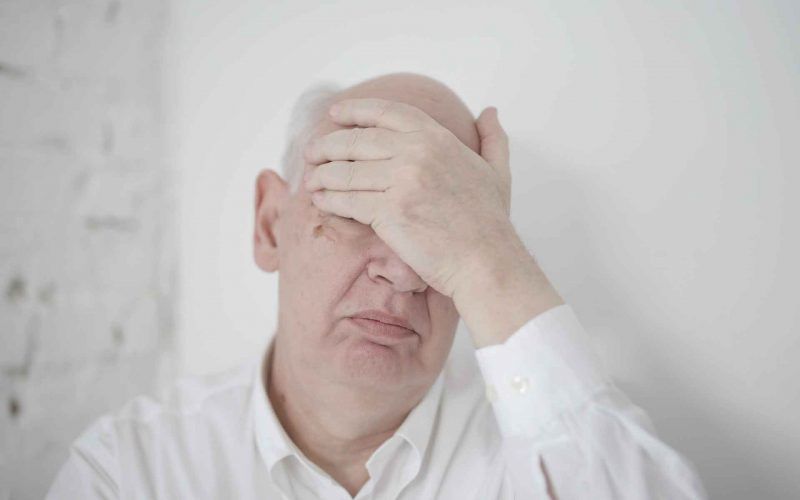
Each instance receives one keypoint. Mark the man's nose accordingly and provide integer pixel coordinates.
(387, 266)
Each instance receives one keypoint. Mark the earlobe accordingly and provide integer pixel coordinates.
(270, 196)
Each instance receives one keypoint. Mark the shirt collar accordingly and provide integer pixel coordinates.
(275, 445)
(271, 439)
(417, 428)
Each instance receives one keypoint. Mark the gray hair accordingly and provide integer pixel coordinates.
(307, 111)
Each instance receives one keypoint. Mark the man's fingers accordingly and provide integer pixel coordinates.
(352, 144)
(494, 141)
(350, 175)
(375, 112)
(359, 205)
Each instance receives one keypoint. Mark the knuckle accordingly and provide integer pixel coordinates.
(351, 173)
(418, 179)
(385, 106)
(411, 110)
(419, 150)
(322, 173)
(372, 135)
(355, 135)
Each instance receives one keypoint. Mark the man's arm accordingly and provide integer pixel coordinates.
(569, 432)
(502, 289)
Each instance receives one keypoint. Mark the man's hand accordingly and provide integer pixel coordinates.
(441, 207)
(432, 199)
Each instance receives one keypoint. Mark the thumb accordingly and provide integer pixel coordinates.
(494, 141)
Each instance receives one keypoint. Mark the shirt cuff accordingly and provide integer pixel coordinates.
(543, 369)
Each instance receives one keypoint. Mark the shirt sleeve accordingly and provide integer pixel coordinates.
(567, 429)
(90, 472)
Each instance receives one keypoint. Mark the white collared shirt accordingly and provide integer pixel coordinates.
(542, 400)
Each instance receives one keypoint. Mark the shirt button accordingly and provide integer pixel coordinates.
(520, 384)
(491, 393)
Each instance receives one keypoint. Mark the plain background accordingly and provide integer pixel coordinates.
(654, 158)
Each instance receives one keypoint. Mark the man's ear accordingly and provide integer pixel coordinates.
(272, 193)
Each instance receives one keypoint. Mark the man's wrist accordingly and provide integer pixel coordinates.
(501, 289)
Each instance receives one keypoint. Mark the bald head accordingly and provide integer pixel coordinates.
(428, 94)
(310, 119)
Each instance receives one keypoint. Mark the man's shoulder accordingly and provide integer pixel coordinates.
(129, 449)
(190, 405)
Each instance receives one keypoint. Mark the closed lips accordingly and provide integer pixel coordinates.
(384, 318)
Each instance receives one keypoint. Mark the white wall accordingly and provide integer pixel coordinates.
(85, 224)
(654, 159)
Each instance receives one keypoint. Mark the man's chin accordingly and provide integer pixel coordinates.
(372, 364)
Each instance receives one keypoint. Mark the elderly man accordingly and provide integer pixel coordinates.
(394, 223)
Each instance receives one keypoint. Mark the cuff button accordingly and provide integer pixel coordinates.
(520, 384)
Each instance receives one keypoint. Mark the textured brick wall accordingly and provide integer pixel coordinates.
(85, 224)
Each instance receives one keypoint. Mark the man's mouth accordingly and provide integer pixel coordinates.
(383, 328)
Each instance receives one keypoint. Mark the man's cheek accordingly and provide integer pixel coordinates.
(321, 226)
(324, 230)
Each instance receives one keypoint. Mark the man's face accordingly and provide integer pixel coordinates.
(332, 269)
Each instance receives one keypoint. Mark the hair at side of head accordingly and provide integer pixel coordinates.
(309, 108)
